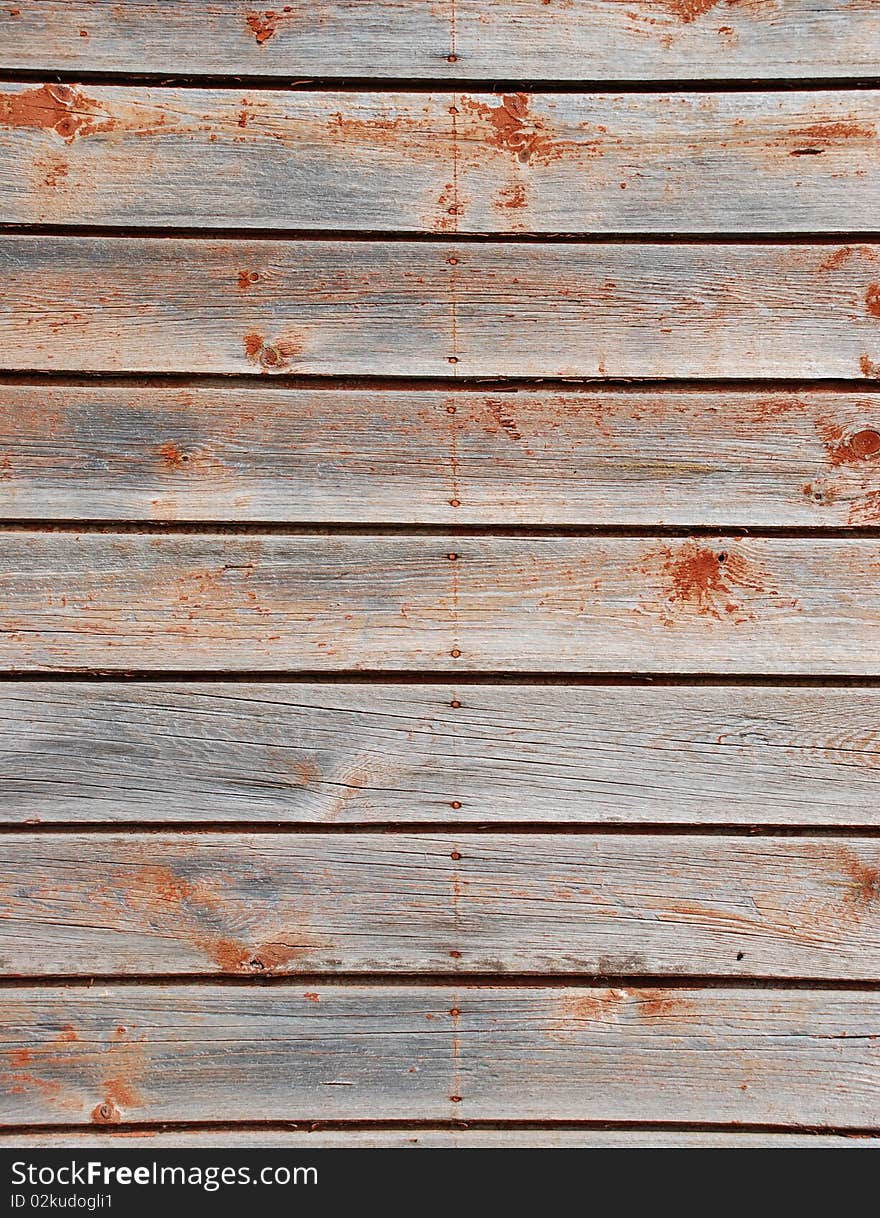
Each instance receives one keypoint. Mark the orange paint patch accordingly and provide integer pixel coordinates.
(872, 299)
(171, 455)
(263, 25)
(54, 107)
(514, 130)
(698, 579)
(688, 10)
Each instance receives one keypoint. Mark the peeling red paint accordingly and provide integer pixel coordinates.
(513, 129)
(869, 367)
(54, 107)
(872, 299)
(848, 449)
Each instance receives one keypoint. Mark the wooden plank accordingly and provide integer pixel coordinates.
(465, 39)
(385, 602)
(779, 1057)
(444, 162)
(425, 308)
(597, 905)
(347, 754)
(337, 455)
(405, 1139)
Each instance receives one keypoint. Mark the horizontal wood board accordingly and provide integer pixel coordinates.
(653, 457)
(328, 602)
(299, 754)
(440, 162)
(108, 304)
(786, 1057)
(464, 39)
(593, 905)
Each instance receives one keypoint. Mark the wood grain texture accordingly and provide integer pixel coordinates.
(348, 754)
(595, 905)
(781, 1057)
(461, 1139)
(385, 602)
(429, 308)
(331, 455)
(444, 162)
(467, 39)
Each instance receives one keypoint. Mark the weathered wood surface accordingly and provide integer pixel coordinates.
(346, 754)
(403, 1139)
(335, 455)
(463, 39)
(595, 905)
(780, 1057)
(444, 162)
(425, 308)
(383, 602)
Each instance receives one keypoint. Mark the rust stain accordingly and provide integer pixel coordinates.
(54, 107)
(713, 583)
(106, 1113)
(844, 449)
(872, 299)
(245, 279)
(196, 911)
(171, 455)
(705, 580)
(661, 1004)
(867, 510)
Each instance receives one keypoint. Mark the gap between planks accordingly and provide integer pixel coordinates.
(462, 982)
(417, 236)
(438, 84)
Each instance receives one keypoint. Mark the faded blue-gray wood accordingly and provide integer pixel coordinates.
(464, 39)
(263, 453)
(440, 162)
(112, 304)
(319, 602)
(188, 753)
(314, 1052)
(594, 905)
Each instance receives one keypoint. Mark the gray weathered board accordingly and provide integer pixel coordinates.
(341, 755)
(311, 903)
(319, 601)
(248, 841)
(750, 1056)
(464, 39)
(440, 162)
(118, 304)
(261, 453)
